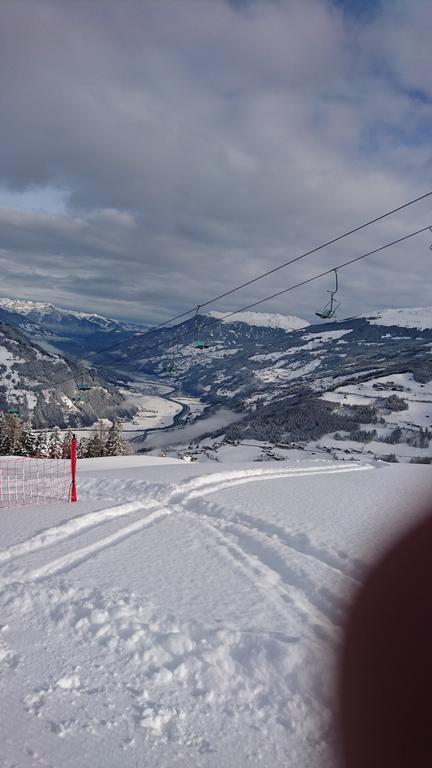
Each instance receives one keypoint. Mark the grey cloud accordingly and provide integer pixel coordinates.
(201, 143)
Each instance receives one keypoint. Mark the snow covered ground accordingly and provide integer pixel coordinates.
(418, 415)
(409, 317)
(158, 404)
(187, 614)
(156, 409)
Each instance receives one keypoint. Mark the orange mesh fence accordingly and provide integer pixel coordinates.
(29, 481)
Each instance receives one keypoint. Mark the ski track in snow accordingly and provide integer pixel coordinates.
(171, 678)
(224, 480)
(69, 529)
(297, 542)
(279, 584)
(253, 545)
(154, 510)
(261, 556)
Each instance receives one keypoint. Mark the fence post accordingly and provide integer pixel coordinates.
(73, 455)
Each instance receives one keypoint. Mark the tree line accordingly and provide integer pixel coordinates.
(18, 438)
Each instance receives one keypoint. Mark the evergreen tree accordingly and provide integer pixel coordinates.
(116, 445)
(10, 435)
(97, 443)
(67, 440)
(55, 444)
(82, 449)
(41, 447)
(2, 434)
(27, 443)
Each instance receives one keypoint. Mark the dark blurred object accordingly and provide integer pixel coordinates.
(385, 686)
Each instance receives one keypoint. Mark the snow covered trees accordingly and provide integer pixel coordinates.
(27, 440)
(106, 442)
(116, 445)
(20, 439)
(10, 435)
(55, 444)
(97, 442)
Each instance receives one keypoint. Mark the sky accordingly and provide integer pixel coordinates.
(155, 154)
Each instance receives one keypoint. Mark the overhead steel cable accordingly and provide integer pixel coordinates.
(280, 293)
(183, 334)
(317, 248)
(347, 263)
(314, 250)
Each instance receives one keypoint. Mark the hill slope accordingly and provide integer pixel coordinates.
(42, 385)
(69, 332)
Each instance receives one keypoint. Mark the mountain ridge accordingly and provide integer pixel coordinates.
(44, 387)
(248, 366)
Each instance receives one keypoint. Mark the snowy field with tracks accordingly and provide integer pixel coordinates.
(188, 614)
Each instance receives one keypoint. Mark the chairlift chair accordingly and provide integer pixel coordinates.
(198, 343)
(330, 308)
(83, 385)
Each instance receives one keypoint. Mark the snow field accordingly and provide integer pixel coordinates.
(182, 616)
(418, 415)
(410, 317)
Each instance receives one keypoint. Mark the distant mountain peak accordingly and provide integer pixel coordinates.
(410, 317)
(26, 307)
(264, 320)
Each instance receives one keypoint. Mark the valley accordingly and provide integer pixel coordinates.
(346, 388)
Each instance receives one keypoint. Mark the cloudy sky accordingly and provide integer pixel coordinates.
(154, 153)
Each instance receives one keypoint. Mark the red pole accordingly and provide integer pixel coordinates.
(73, 455)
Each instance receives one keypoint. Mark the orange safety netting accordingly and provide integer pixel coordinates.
(28, 481)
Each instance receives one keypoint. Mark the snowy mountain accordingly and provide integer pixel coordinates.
(42, 385)
(260, 365)
(414, 317)
(277, 378)
(245, 364)
(263, 320)
(63, 330)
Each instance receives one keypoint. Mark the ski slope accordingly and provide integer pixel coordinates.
(188, 614)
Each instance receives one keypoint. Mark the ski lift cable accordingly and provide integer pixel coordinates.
(239, 287)
(183, 334)
(314, 250)
(280, 293)
(287, 290)
(328, 271)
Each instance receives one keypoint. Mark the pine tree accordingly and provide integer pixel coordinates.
(82, 449)
(41, 447)
(27, 443)
(116, 444)
(97, 442)
(67, 441)
(2, 434)
(55, 444)
(10, 435)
